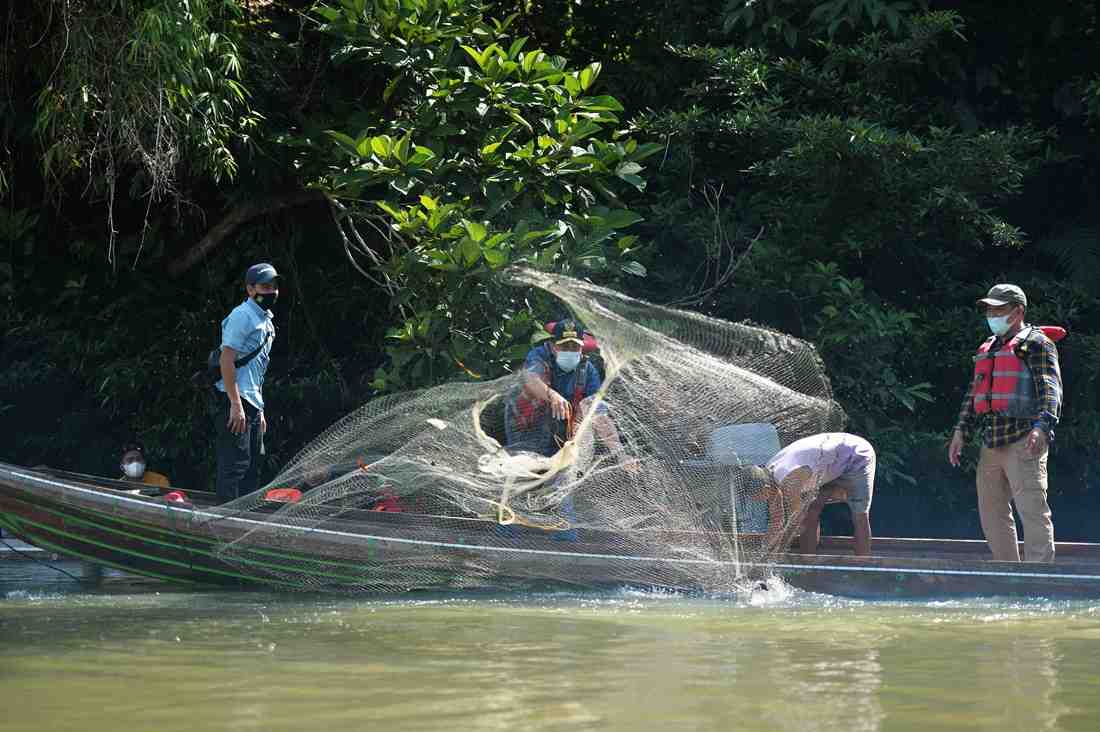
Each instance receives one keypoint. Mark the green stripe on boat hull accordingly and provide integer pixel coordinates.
(201, 546)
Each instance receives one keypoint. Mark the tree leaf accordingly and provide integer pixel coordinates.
(496, 258)
(381, 146)
(589, 74)
(344, 141)
(605, 103)
(476, 55)
(530, 59)
(515, 115)
(496, 239)
(625, 242)
(516, 47)
(627, 168)
(469, 251)
(401, 149)
(476, 231)
(388, 209)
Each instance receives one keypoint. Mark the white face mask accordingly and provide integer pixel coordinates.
(568, 360)
(999, 324)
(134, 470)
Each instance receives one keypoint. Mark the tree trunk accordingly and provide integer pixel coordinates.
(239, 215)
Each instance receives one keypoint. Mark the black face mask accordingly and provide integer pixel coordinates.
(266, 300)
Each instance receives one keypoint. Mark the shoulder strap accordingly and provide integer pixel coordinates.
(580, 381)
(244, 360)
(1031, 330)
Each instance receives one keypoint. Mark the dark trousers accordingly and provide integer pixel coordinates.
(239, 456)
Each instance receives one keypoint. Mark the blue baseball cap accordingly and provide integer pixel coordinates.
(260, 273)
(569, 331)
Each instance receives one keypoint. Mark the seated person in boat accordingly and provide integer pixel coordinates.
(560, 383)
(134, 468)
(831, 467)
(560, 377)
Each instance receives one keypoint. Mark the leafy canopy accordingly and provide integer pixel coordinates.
(471, 152)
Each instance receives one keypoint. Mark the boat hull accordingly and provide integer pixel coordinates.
(210, 546)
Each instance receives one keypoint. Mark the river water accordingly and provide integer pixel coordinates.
(126, 656)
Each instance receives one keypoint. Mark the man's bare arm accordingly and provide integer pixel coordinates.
(227, 367)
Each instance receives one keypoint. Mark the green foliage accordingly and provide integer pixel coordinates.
(793, 21)
(483, 153)
(856, 331)
(17, 231)
(868, 196)
(1076, 252)
(152, 85)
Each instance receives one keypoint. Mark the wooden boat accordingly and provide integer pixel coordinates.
(97, 520)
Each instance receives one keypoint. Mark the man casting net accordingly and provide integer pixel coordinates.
(636, 476)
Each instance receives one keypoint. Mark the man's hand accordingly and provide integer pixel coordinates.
(1036, 442)
(954, 450)
(263, 424)
(236, 418)
(559, 405)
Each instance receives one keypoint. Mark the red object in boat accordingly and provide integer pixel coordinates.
(283, 495)
(388, 502)
(176, 497)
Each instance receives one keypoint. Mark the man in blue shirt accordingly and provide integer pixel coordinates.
(247, 333)
(558, 379)
(543, 414)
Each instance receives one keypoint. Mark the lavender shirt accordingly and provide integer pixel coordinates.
(832, 456)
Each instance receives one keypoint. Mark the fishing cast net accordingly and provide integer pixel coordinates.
(651, 484)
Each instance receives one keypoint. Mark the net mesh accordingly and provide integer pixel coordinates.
(478, 485)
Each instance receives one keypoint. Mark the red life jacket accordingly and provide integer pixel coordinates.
(1003, 383)
(528, 412)
(389, 502)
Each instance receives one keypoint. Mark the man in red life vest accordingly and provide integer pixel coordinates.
(559, 382)
(1015, 398)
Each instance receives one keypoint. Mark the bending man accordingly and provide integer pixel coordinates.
(832, 467)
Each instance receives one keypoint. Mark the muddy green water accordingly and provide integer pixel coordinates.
(129, 657)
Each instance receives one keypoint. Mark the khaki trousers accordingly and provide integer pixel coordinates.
(1006, 475)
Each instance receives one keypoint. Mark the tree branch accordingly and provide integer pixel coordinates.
(235, 218)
